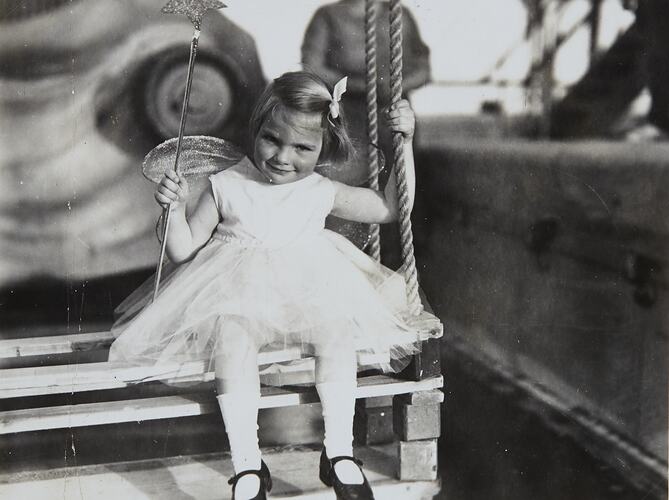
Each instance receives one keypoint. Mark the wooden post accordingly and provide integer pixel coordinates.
(426, 363)
(417, 423)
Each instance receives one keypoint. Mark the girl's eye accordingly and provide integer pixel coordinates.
(301, 147)
(269, 138)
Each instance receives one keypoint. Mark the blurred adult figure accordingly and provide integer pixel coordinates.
(334, 47)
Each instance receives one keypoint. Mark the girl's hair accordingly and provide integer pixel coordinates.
(305, 92)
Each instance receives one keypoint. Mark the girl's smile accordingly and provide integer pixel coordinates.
(288, 145)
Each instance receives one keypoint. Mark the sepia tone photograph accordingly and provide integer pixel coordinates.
(334, 249)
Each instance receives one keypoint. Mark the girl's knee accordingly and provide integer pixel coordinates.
(235, 343)
(236, 361)
(336, 368)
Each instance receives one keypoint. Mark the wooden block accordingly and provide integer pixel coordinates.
(414, 422)
(421, 398)
(417, 460)
(373, 425)
(426, 363)
(376, 402)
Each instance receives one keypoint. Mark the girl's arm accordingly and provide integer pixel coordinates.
(376, 207)
(186, 235)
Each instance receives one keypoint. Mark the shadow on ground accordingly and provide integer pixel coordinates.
(493, 448)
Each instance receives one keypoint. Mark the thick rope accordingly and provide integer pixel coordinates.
(374, 245)
(406, 238)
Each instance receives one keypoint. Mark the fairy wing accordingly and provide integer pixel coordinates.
(201, 156)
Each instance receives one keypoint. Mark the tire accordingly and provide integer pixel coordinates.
(213, 94)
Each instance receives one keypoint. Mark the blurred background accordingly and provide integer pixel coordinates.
(541, 225)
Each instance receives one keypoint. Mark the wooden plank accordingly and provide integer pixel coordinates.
(56, 344)
(82, 415)
(60, 379)
(59, 344)
(421, 398)
(294, 469)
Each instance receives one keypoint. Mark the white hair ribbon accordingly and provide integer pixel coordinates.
(339, 89)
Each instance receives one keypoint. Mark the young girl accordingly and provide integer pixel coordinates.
(259, 269)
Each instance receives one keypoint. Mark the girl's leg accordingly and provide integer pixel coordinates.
(238, 387)
(336, 383)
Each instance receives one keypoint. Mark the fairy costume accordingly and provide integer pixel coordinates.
(271, 267)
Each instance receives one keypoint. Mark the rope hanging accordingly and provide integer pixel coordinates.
(406, 238)
(374, 247)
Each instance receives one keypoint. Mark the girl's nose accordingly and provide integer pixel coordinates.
(283, 156)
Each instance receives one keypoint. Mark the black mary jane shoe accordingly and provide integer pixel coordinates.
(265, 481)
(344, 491)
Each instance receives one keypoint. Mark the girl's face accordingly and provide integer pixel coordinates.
(288, 145)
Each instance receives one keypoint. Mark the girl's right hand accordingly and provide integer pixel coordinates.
(172, 191)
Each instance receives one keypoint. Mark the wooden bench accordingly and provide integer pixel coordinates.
(36, 373)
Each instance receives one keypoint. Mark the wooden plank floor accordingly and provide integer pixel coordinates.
(51, 417)
(203, 477)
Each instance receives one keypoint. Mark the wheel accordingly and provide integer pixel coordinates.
(212, 95)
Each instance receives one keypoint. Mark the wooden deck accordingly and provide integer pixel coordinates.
(203, 477)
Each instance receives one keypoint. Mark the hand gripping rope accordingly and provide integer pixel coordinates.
(408, 268)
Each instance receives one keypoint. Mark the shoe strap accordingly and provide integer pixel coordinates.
(334, 460)
(233, 480)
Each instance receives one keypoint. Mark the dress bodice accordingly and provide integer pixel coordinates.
(273, 274)
(270, 215)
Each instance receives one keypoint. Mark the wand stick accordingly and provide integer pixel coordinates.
(195, 10)
(182, 125)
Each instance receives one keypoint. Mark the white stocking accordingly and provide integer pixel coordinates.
(336, 385)
(238, 385)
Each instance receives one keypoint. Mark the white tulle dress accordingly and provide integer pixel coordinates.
(271, 268)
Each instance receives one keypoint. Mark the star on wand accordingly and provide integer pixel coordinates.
(195, 11)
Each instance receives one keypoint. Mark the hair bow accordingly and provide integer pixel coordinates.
(339, 89)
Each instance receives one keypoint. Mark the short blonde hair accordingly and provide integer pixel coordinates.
(305, 92)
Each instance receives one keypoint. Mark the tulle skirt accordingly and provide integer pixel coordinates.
(321, 294)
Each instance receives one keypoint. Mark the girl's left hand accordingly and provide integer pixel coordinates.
(401, 119)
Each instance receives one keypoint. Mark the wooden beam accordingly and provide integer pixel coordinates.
(56, 344)
(60, 379)
(108, 412)
(427, 327)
